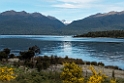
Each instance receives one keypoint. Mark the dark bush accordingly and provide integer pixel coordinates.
(45, 65)
(29, 64)
(93, 63)
(79, 61)
(11, 56)
(39, 67)
(87, 63)
(112, 67)
(100, 64)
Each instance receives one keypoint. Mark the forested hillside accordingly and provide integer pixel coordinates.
(12, 22)
(97, 22)
(114, 33)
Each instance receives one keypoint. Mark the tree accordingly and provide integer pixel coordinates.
(11, 56)
(7, 51)
(35, 49)
(27, 55)
(3, 55)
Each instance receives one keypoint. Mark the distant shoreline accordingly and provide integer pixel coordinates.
(103, 34)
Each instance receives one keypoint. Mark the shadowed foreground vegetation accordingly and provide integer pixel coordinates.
(29, 68)
(28, 75)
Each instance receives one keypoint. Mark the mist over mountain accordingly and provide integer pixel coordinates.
(12, 22)
(98, 22)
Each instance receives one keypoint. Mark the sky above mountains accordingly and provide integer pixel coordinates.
(68, 10)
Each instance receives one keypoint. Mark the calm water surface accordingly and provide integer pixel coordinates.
(107, 50)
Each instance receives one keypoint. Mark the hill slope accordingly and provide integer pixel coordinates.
(98, 22)
(12, 22)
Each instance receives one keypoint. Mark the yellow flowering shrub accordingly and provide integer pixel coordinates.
(96, 77)
(113, 81)
(72, 73)
(6, 74)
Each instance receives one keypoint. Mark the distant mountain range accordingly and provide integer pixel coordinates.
(12, 22)
(97, 22)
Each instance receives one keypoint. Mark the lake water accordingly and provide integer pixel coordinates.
(107, 50)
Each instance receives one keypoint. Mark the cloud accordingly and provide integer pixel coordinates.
(77, 9)
(77, 1)
(102, 5)
(74, 3)
(67, 5)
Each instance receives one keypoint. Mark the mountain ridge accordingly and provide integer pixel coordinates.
(107, 14)
(98, 22)
(12, 22)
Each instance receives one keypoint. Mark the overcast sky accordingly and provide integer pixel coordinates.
(63, 9)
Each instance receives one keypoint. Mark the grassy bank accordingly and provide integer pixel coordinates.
(52, 74)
